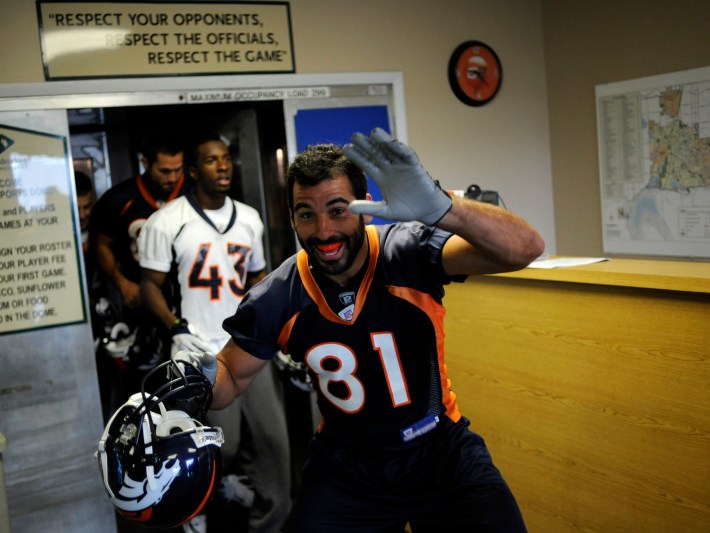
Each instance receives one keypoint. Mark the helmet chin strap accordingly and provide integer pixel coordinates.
(134, 400)
(104, 466)
(147, 435)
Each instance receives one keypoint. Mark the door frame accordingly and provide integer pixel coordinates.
(77, 94)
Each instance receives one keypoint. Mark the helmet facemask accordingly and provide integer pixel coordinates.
(158, 461)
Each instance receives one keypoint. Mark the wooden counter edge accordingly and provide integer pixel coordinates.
(638, 273)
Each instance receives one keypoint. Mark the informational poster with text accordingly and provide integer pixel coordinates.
(41, 284)
(125, 39)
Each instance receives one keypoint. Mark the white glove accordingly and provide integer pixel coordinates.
(205, 363)
(190, 343)
(408, 191)
(186, 338)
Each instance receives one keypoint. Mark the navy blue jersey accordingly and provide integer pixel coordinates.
(120, 214)
(375, 351)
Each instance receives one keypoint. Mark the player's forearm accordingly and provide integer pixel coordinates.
(500, 240)
(223, 391)
(108, 265)
(236, 369)
(154, 301)
(106, 260)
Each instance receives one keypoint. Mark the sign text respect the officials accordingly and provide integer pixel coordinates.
(96, 40)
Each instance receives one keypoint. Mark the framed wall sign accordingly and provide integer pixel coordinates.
(475, 73)
(83, 39)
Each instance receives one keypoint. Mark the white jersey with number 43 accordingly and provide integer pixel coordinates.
(212, 253)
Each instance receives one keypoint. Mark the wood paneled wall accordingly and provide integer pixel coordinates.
(594, 400)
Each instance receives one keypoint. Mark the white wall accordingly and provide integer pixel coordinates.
(502, 146)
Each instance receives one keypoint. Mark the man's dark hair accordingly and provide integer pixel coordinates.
(83, 184)
(320, 162)
(161, 142)
(195, 141)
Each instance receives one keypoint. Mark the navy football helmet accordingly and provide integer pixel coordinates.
(158, 462)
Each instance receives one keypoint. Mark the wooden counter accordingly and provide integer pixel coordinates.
(663, 275)
(591, 386)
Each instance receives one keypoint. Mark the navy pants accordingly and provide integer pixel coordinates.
(447, 481)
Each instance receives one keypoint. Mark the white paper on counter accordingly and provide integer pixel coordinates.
(558, 262)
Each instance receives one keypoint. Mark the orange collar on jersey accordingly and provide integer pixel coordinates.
(315, 293)
(145, 192)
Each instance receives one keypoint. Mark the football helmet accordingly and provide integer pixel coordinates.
(158, 463)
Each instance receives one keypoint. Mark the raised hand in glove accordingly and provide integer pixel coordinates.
(408, 191)
(204, 362)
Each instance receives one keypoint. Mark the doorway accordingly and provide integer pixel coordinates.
(105, 143)
(54, 368)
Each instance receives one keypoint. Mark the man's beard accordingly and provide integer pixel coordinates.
(351, 244)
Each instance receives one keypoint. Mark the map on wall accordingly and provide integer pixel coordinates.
(654, 161)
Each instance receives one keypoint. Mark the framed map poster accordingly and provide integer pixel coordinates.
(654, 162)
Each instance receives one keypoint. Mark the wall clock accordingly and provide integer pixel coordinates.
(475, 73)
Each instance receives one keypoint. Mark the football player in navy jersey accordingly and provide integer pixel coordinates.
(134, 340)
(124, 208)
(361, 305)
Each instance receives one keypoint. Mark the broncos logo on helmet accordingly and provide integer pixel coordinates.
(159, 464)
(134, 495)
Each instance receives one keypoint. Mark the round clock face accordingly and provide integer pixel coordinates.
(475, 73)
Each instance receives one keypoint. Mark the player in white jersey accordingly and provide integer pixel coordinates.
(210, 247)
(214, 251)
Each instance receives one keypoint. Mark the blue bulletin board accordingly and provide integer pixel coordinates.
(336, 125)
